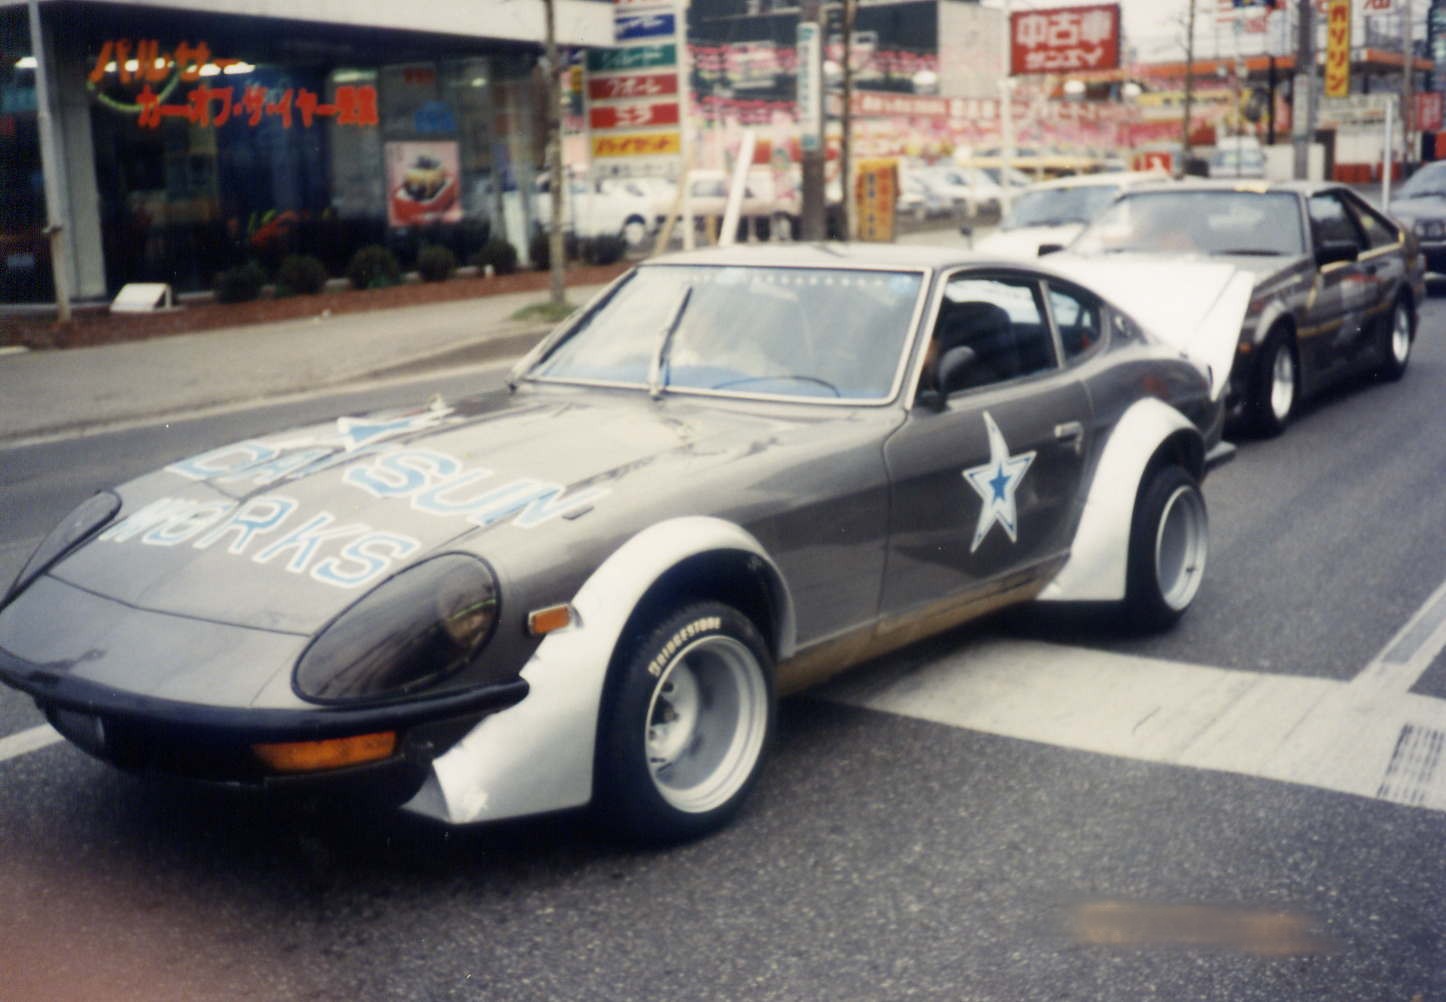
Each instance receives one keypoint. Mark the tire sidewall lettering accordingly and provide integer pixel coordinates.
(680, 639)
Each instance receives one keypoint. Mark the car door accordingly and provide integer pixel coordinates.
(1345, 289)
(984, 481)
(1383, 261)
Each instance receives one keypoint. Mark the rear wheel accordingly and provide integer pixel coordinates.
(1276, 384)
(685, 725)
(1169, 544)
(635, 231)
(1395, 344)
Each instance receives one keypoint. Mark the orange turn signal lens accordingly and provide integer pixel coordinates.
(332, 753)
(544, 621)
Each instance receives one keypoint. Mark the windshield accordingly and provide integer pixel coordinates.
(1200, 222)
(789, 332)
(1055, 206)
(1428, 181)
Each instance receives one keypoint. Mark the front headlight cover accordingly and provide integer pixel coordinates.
(410, 632)
(86, 518)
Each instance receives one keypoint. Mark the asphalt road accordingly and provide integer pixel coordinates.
(924, 830)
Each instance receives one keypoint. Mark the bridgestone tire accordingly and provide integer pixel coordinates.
(1169, 544)
(1275, 386)
(1395, 344)
(686, 721)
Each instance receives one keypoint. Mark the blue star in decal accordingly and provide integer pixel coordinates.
(357, 432)
(995, 482)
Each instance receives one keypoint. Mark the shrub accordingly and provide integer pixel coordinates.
(373, 267)
(500, 254)
(300, 274)
(605, 249)
(240, 284)
(539, 249)
(436, 263)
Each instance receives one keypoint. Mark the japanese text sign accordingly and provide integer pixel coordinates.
(1065, 39)
(625, 84)
(1338, 49)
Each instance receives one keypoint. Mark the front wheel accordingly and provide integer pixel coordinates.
(1169, 543)
(1276, 385)
(686, 721)
(1395, 346)
(635, 231)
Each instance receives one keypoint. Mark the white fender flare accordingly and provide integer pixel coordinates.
(1099, 559)
(537, 756)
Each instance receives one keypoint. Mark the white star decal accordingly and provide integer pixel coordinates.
(995, 482)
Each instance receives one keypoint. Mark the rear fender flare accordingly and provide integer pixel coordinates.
(1099, 559)
(537, 756)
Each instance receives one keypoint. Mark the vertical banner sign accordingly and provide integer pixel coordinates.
(810, 86)
(1066, 39)
(1338, 49)
(634, 91)
(876, 189)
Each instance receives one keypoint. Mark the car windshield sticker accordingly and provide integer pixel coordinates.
(995, 482)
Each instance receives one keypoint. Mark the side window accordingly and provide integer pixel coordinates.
(1379, 231)
(1001, 320)
(1077, 318)
(1330, 222)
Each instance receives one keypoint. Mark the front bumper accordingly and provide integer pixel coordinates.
(215, 744)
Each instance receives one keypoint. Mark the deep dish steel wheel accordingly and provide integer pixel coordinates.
(686, 722)
(1169, 545)
(1277, 384)
(1395, 344)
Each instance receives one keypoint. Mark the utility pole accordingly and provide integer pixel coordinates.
(556, 248)
(56, 202)
(810, 117)
(1190, 85)
(1408, 110)
(1300, 110)
(846, 147)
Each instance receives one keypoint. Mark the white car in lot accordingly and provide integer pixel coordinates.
(595, 209)
(1052, 213)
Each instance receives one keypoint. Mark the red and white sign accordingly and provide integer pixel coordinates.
(631, 87)
(1153, 160)
(1429, 112)
(633, 116)
(1065, 39)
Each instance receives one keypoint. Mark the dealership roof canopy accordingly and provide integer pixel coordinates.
(579, 22)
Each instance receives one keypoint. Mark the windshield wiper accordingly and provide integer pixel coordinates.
(665, 340)
(1249, 252)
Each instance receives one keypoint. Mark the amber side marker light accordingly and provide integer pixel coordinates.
(544, 621)
(332, 753)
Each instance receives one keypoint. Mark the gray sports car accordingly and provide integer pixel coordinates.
(1337, 283)
(733, 474)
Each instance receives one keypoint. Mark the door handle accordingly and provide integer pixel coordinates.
(1070, 431)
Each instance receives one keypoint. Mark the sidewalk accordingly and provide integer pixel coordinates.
(46, 392)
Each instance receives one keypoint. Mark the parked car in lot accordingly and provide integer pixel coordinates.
(1237, 159)
(1051, 213)
(1337, 283)
(1420, 203)
(594, 208)
(735, 473)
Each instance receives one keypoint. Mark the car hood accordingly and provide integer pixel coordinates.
(1411, 209)
(1196, 305)
(283, 532)
(1025, 241)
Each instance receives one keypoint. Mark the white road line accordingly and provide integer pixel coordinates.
(25, 742)
(1410, 652)
(1310, 731)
